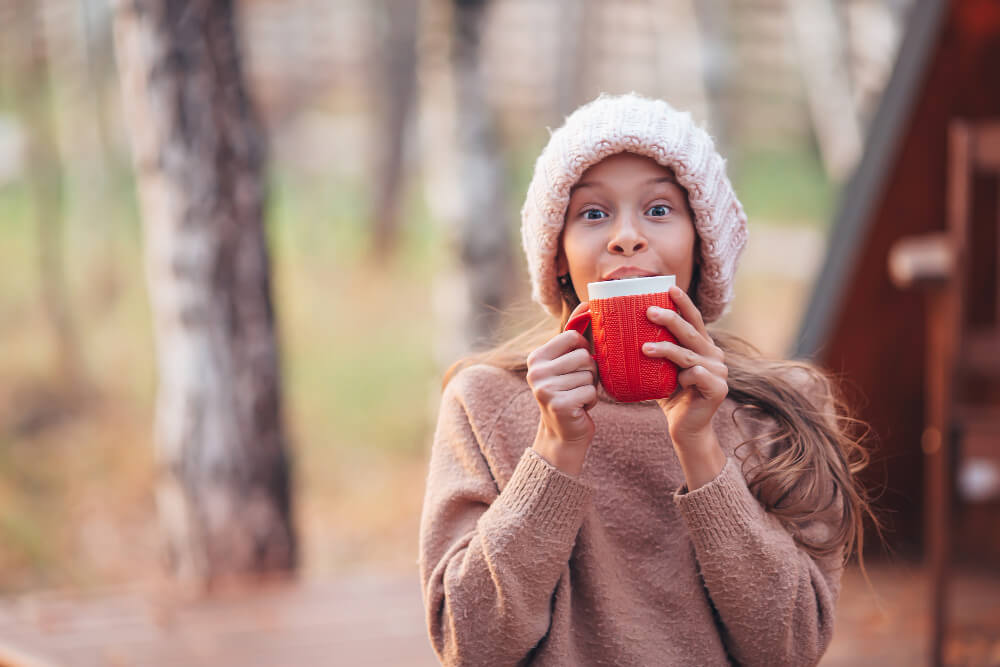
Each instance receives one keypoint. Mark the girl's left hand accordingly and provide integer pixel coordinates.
(702, 379)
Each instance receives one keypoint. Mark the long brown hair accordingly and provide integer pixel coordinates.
(818, 449)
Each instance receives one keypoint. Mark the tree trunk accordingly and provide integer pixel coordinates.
(464, 181)
(824, 72)
(44, 175)
(223, 490)
(717, 57)
(99, 70)
(575, 59)
(396, 55)
(482, 237)
(96, 174)
(871, 33)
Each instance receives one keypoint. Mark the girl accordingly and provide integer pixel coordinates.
(563, 528)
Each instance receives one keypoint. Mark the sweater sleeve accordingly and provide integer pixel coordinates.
(490, 560)
(776, 603)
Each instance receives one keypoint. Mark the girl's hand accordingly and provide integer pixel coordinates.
(563, 377)
(702, 377)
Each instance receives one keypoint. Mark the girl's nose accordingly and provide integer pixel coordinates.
(626, 239)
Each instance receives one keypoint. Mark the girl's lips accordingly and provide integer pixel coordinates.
(628, 272)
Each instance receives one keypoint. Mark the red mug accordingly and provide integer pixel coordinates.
(620, 327)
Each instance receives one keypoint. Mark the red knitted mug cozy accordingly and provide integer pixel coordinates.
(620, 327)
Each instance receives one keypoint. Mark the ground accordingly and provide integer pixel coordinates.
(377, 619)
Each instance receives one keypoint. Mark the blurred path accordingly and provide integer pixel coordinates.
(896, 634)
(362, 621)
(379, 621)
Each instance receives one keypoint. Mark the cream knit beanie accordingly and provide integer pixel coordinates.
(635, 124)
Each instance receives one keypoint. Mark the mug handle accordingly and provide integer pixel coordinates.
(579, 322)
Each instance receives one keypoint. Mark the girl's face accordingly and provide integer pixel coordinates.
(627, 217)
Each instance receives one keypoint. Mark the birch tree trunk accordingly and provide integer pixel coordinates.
(30, 75)
(464, 180)
(223, 490)
(395, 49)
(575, 49)
(482, 232)
(872, 30)
(713, 21)
(824, 70)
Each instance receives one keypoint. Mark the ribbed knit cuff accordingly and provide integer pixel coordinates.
(720, 510)
(545, 498)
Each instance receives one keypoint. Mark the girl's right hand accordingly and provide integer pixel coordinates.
(563, 378)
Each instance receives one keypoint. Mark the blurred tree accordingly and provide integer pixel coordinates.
(100, 65)
(717, 54)
(575, 54)
(97, 77)
(464, 180)
(482, 233)
(29, 75)
(395, 52)
(823, 60)
(198, 147)
(871, 34)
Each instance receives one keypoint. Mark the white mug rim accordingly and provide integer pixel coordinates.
(607, 289)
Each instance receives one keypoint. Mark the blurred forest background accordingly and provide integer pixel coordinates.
(401, 136)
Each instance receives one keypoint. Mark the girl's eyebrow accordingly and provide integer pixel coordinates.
(661, 179)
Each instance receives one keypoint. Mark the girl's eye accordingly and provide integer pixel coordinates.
(594, 214)
(658, 211)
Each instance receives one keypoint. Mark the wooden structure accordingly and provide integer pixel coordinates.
(907, 305)
(961, 437)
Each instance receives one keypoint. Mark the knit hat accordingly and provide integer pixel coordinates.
(630, 123)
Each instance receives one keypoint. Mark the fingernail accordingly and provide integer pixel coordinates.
(654, 310)
(648, 347)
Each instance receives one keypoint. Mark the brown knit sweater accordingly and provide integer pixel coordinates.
(520, 563)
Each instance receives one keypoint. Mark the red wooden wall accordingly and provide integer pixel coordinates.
(877, 340)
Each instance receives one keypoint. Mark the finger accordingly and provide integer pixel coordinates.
(574, 360)
(685, 332)
(548, 391)
(569, 381)
(710, 386)
(569, 402)
(687, 309)
(684, 357)
(557, 346)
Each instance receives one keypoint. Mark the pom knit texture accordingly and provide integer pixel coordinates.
(652, 128)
